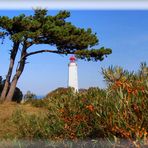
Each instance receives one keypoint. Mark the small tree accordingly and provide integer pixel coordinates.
(40, 28)
(29, 95)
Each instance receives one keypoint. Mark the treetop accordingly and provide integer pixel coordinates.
(41, 28)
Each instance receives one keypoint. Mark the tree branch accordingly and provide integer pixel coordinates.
(45, 50)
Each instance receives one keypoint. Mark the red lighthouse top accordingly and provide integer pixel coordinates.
(72, 59)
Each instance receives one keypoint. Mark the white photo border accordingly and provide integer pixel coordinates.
(75, 4)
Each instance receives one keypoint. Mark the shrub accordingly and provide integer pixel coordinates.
(72, 115)
(18, 95)
(29, 95)
(31, 98)
(61, 91)
(125, 107)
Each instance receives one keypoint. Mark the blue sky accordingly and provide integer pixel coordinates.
(125, 32)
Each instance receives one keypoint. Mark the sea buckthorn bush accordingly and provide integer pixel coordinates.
(73, 116)
(125, 108)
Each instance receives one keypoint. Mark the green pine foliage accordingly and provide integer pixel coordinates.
(41, 28)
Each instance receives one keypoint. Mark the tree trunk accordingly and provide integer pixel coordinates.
(15, 80)
(11, 65)
(19, 71)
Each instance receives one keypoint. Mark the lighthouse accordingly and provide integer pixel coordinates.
(73, 73)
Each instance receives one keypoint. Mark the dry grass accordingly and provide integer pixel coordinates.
(6, 110)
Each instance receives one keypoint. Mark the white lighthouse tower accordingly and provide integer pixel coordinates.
(73, 74)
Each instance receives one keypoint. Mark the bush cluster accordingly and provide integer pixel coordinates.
(119, 111)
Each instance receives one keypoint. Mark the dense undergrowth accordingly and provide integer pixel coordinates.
(118, 112)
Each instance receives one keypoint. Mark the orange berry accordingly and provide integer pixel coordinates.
(90, 107)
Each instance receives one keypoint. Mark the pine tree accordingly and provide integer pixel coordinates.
(40, 28)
